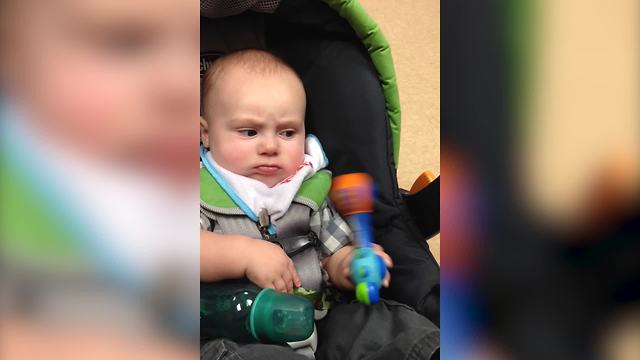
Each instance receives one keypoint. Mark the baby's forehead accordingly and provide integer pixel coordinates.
(252, 62)
(232, 72)
(235, 78)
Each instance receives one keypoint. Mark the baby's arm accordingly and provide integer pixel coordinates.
(234, 256)
(221, 256)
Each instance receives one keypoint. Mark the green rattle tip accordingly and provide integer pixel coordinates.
(362, 293)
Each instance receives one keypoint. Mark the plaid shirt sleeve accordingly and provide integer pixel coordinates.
(332, 231)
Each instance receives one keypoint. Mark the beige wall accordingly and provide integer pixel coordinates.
(413, 31)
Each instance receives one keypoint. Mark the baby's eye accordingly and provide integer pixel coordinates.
(248, 132)
(288, 133)
(125, 43)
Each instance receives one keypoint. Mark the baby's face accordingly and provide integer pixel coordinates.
(255, 124)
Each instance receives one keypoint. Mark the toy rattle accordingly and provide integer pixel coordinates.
(352, 195)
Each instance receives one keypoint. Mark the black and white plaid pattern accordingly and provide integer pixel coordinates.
(220, 8)
(333, 232)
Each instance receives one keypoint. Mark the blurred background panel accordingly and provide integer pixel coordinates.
(540, 193)
(99, 137)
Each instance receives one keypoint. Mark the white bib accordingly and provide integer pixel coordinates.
(277, 199)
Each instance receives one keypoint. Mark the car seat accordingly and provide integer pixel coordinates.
(353, 107)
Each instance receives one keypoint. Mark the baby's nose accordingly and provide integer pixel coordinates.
(269, 145)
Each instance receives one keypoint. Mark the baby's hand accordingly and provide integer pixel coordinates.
(268, 266)
(338, 266)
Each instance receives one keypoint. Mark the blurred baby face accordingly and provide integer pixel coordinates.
(255, 124)
(116, 79)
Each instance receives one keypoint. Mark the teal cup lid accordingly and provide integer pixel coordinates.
(279, 317)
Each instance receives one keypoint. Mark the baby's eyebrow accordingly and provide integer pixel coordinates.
(235, 122)
(253, 122)
(290, 123)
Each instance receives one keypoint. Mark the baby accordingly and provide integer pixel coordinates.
(262, 178)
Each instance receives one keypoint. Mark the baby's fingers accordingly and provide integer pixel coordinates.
(346, 272)
(294, 275)
(288, 281)
(385, 257)
(386, 280)
(280, 285)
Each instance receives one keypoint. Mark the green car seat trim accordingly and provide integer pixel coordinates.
(312, 193)
(378, 48)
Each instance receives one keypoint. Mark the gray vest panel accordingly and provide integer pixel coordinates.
(293, 235)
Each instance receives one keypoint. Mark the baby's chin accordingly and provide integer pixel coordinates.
(269, 182)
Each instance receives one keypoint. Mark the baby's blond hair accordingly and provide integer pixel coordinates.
(260, 62)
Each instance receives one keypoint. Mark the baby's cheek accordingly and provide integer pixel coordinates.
(295, 156)
(231, 154)
(298, 153)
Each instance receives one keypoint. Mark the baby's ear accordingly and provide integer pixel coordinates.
(204, 132)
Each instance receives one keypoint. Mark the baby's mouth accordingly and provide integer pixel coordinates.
(267, 169)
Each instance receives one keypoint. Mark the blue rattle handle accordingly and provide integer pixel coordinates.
(367, 268)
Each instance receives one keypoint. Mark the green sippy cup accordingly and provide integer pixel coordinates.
(242, 312)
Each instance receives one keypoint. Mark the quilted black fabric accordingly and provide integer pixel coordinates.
(220, 8)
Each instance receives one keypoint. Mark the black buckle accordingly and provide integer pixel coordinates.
(296, 244)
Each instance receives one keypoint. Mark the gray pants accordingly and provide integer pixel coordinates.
(387, 330)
